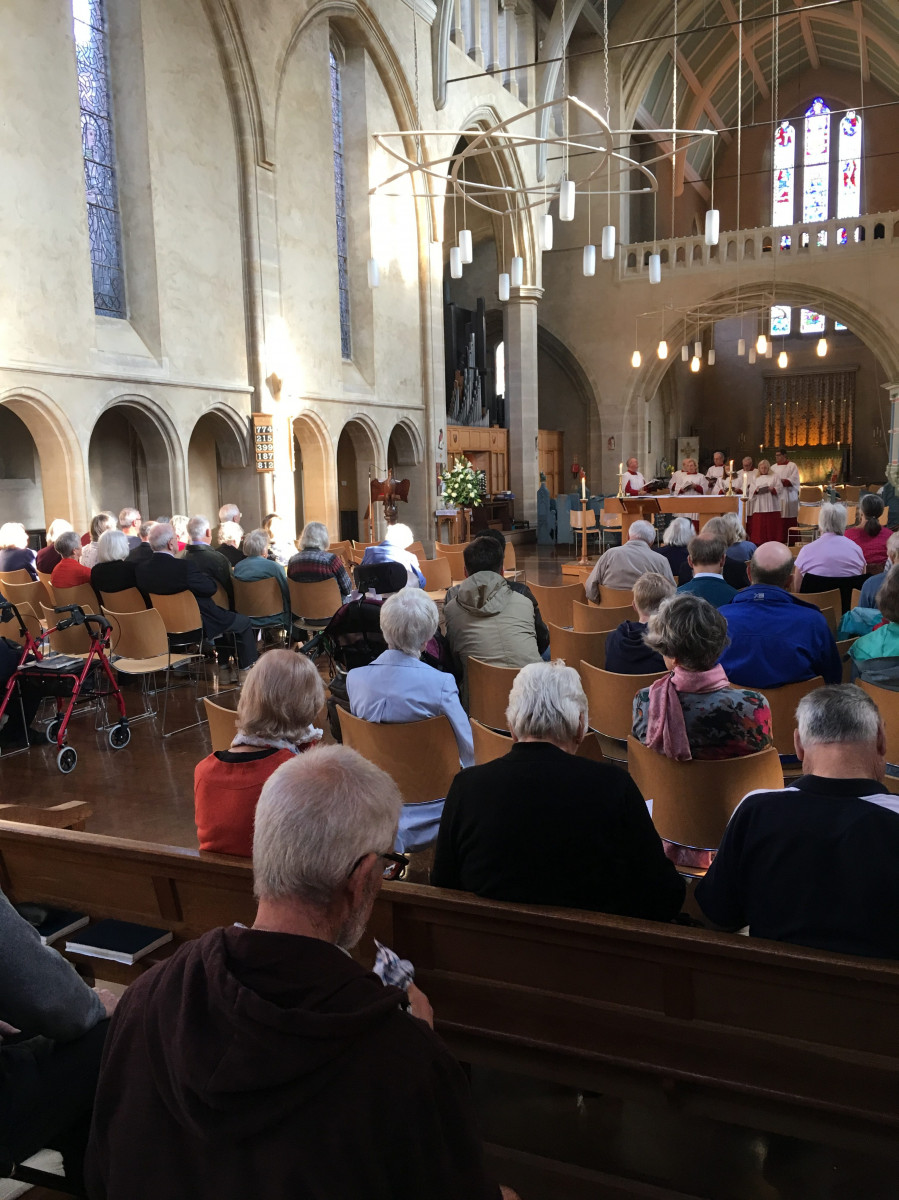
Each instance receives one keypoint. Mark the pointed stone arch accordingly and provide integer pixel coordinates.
(315, 474)
(135, 456)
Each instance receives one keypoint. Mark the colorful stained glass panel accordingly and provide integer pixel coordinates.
(784, 166)
(811, 321)
(850, 153)
(816, 172)
(781, 320)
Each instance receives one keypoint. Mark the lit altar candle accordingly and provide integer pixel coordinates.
(583, 485)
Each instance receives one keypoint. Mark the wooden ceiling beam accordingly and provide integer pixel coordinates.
(696, 88)
(748, 53)
(862, 42)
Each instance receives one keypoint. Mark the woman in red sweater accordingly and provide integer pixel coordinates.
(278, 703)
(870, 536)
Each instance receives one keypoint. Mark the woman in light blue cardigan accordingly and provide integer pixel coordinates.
(256, 566)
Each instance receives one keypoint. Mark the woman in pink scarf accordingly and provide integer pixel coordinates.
(694, 712)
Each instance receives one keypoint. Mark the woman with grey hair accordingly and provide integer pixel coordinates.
(542, 825)
(831, 554)
(314, 563)
(674, 544)
(100, 523)
(694, 712)
(740, 549)
(112, 572)
(255, 566)
(69, 572)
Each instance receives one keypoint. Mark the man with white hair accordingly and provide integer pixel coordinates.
(143, 549)
(265, 1061)
(622, 566)
(200, 553)
(815, 862)
(393, 549)
(164, 574)
(229, 512)
(129, 523)
(228, 537)
(543, 826)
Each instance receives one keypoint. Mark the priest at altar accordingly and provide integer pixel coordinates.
(716, 475)
(788, 474)
(634, 483)
(765, 523)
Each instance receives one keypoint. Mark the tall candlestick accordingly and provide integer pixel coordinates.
(583, 485)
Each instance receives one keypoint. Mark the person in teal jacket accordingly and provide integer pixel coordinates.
(875, 656)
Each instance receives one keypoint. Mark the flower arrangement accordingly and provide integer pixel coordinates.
(460, 484)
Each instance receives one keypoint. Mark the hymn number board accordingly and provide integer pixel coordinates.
(263, 442)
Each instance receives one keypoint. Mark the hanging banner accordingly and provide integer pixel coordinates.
(263, 442)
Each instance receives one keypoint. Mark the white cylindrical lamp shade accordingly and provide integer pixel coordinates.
(821, 348)
(685, 353)
(608, 242)
(374, 273)
(636, 358)
(566, 200)
(769, 350)
(697, 349)
(751, 355)
(712, 227)
(504, 286)
(455, 262)
(741, 347)
(546, 232)
(663, 349)
(761, 343)
(711, 359)
(655, 268)
(589, 260)
(516, 271)
(694, 364)
(782, 359)
(465, 247)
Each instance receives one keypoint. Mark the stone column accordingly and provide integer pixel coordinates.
(476, 50)
(893, 443)
(493, 26)
(520, 337)
(511, 21)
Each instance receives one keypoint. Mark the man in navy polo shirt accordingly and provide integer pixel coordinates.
(815, 863)
(775, 637)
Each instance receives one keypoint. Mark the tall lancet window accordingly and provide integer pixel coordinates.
(849, 196)
(784, 169)
(816, 172)
(343, 279)
(98, 148)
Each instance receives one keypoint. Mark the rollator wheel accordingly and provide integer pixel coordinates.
(53, 729)
(66, 759)
(119, 736)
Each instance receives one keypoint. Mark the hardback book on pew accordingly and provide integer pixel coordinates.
(60, 921)
(120, 941)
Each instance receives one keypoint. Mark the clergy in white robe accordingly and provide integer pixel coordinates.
(788, 474)
(765, 523)
(716, 475)
(688, 482)
(634, 483)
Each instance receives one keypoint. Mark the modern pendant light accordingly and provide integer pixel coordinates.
(685, 353)
(697, 349)
(456, 263)
(589, 260)
(750, 357)
(694, 364)
(608, 242)
(712, 227)
(504, 286)
(663, 349)
(761, 343)
(782, 359)
(374, 273)
(655, 268)
(636, 358)
(821, 348)
(711, 356)
(465, 247)
(741, 347)
(545, 226)
(516, 271)
(566, 200)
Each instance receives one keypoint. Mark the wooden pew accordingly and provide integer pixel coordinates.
(761, 1034)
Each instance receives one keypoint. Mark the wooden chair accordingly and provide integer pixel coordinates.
(556, 602)
(140, 642)
(455, 557)
(127, 600)
(11, 629)
(782, 701)
(314, 604)
(592, 618)
(851, 515)
(75, 642)
(843, 648)
(33, 594)
(888, 706)
(421, 757)
(220, 597)
(488, 692)
(20, 576)
(417, 548)
(259, 598)
(181, 617)
(575, 647)
(83, 594)
(810, 494)
(615, 597)
(856, 597)
(850, 493)
(610, 705)
(693, 801)
(830, 599)
(806, 527)
(488, 744)
(836, 590)
(222, 724)
(609, 527)
(438, 574)
(578, 520)
(44, 577)
(510, 563)
(343, 550)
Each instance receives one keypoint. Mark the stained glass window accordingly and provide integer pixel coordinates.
(816, 173)
(839, 327)
(781, 320)
(784, 166)
(811, 321)
(101, 191)
(850, 153)
(343, 278)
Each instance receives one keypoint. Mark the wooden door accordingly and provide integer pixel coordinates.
(550, 453)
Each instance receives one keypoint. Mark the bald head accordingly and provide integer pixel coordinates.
(772, 563)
